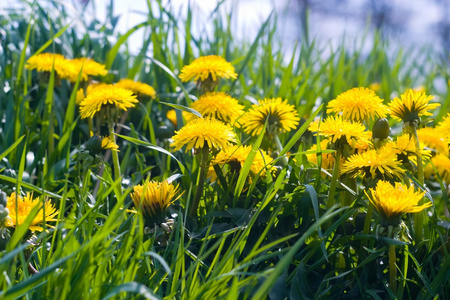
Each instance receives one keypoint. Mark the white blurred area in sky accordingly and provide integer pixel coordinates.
(418, 22)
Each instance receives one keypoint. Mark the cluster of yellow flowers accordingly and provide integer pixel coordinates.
(372, 155)
(65, 68)
(383, 161)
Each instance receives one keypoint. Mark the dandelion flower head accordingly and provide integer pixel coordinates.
(24, 207)
(153, 198)
(336, 128)
(107, 95)
(139, 88)
(381, 164)
(411, 106)
(87, 67)
(442, 164)
(327, 158)
(205, 67)
(444, 127)
(236, 156)
(281, 116)
(203, 131)
(433, 138)
(92, 86)
(391, 201)
(218, 106)
(44, 62)
(358, 104)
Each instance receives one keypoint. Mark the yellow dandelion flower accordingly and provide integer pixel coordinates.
(380, 164)
(237, 155)
(411, 106)
(218, 106)
(336, 128)
(420, 89)
(172, 116)
(45, 61)
(205, 67)
(358, 104)
(405, 146)
(444, 127)
(365, 142)
(80, 96)
(442, 165)
(80, 92)
(87, 67)
(392, 201)
(327, 158)
(24, 207)
(107, 95)
(281, 116)
(375, 86)
(139, 88)
(200, 131)
(434, 139)
(107, 143)
(153, 198)
(97, 143)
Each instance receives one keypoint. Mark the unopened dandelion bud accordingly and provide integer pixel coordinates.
(94, 145)
(381, 129)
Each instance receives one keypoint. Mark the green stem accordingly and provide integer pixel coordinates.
(201, 180)
(405, 272)
(284, 159)
(334, 178)
(392, 269)
(91, 125)
(418, 217)
(347, 197)
(115, 157)
(51, 141)
(406, 180)
(368, 219)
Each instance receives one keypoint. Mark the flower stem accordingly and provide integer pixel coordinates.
(276, 138)
(368, 219)
(418, 217)
(115, 157)
(201, 180)
(392, 269)
(347, 197)
(334, 178)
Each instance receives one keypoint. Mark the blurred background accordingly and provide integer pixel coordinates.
(403, 23)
